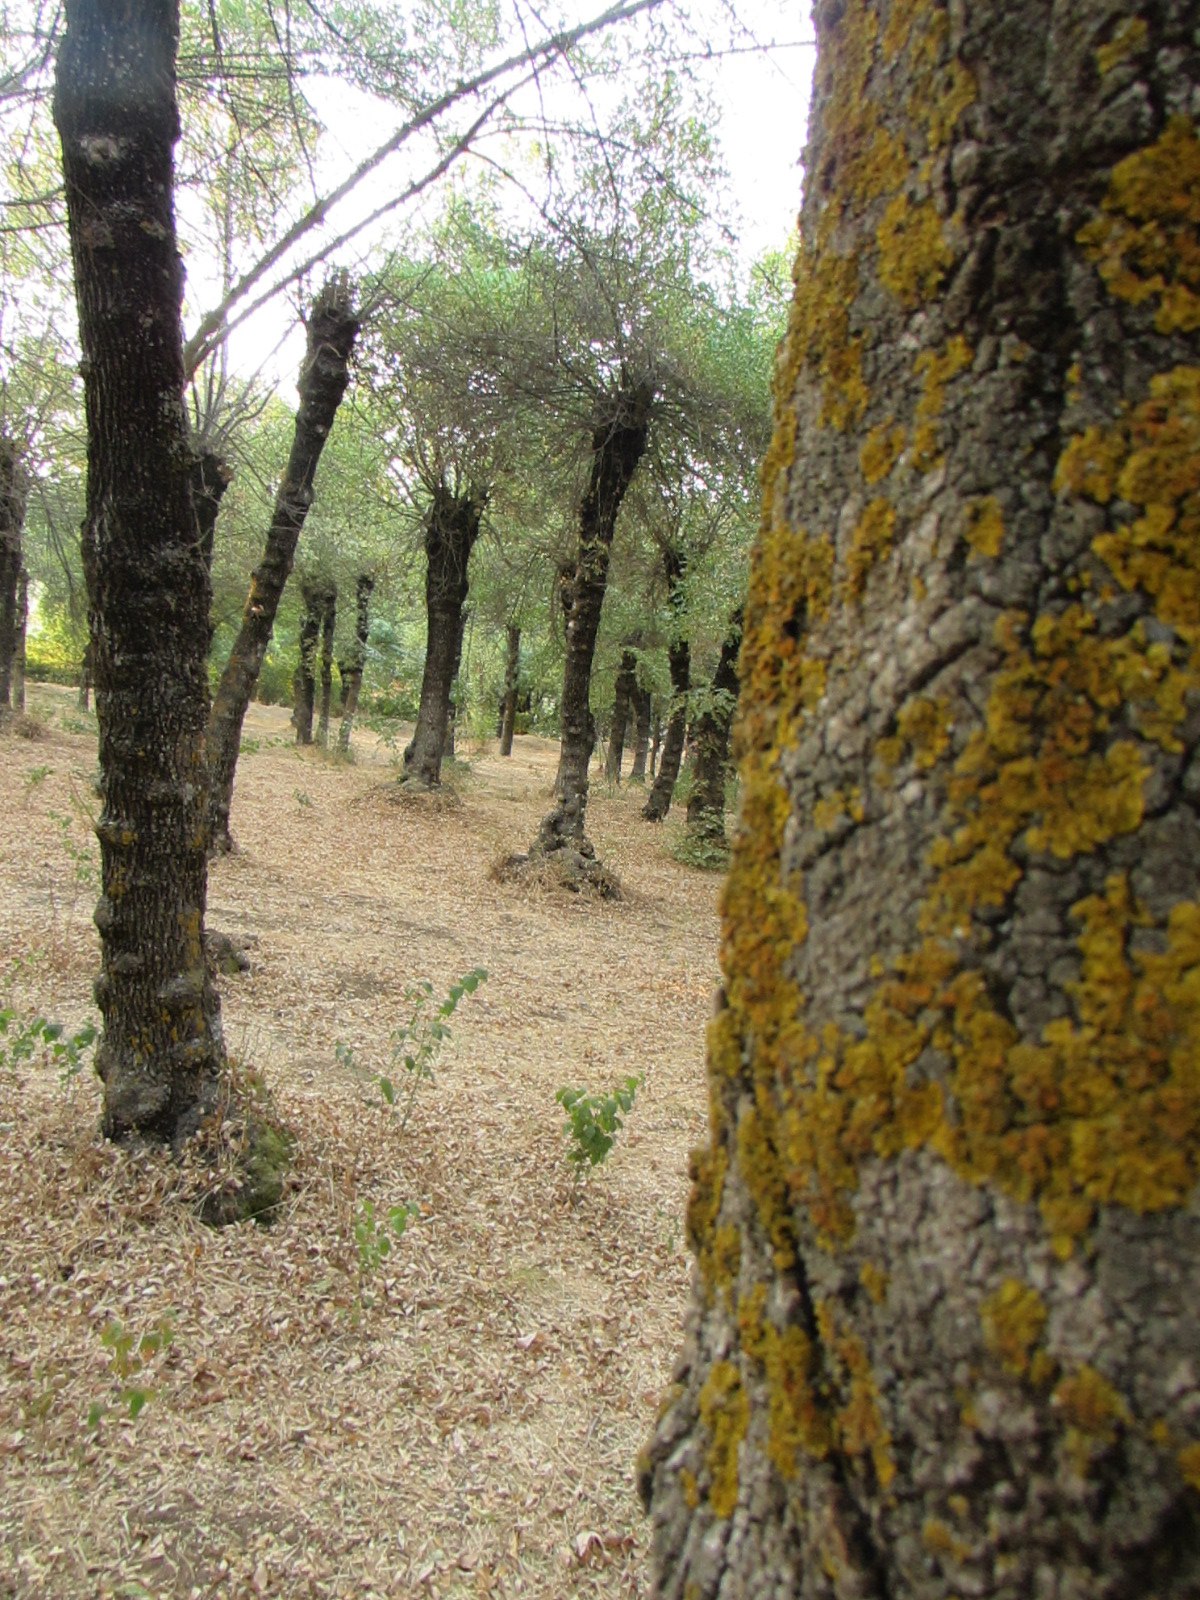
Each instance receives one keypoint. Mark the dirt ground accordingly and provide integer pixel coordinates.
(460, 1420)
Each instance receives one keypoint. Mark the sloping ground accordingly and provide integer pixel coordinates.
(461, 1420)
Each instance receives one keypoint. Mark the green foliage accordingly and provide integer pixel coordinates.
(129, 1358)
(416, 1043)
(43, 1043)
(593, 1122)
(83, 857)
(699, 848)
(373, 1236)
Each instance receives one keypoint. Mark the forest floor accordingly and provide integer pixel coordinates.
(459, 1419)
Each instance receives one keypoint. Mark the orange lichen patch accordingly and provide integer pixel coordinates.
(984, 526)
(913, 254)
(1189, 1464)
(936, 368)
(937, 1537)
(880, 451)
(1090, 1403)
(858, 1423)
(870, 543)
(874, 1280)
(831, 808)
(1129, 38)
(955, 90)
(924, 728)
(1014, 1319)
(1146, 240)
(725, 1414)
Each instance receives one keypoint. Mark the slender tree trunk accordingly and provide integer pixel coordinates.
(161, 1051)
(332, 329)
(448, 750)
(85, 677)
(13, 494)
(679, 662)
(451, 530)
(512, 669)
(942, 1338)
(710, 741)
(623, 696)
(328, 625)
(618, 444)
(352, 670)
(641, 744)
(18, 666)
(304, 679)
(656, 737)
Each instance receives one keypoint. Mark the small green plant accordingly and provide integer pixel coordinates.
(707, 851)
(373, 1237)
(301, 799)
(36, 1040)
(36, 776)
(593, 1123)
(81, 856)
(415, 1044)
(129, 1357)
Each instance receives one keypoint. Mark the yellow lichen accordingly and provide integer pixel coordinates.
(880, 451)
(913, 254)
(725, 1414)
(874, 1280)
(1189, 1464)
(1129, 38)
(943, 1541)
(1013, 1321)
(870, 543)
(1090, 1403)
(859, 1423)
(984, 526)
(1146, 240)
(924, 727)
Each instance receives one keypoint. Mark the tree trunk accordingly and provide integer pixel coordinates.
(623, 696)
(161, 1051)
(13, 494)
(942, 1338)
(85, 677)
(352, 670)
(332, 329)
(641, 746)
(655, 738)
(18, 666)
(679, 662)
(618, 444)
(455, 689)
(710, 740)
(451, 530)
(328, 625)
(304, 679)
(512, 668)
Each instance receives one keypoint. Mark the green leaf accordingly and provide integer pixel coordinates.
(388, 1090)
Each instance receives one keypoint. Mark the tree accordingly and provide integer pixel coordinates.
(14, 490)
(943, 1323)
(710, 741)
(161, 1052)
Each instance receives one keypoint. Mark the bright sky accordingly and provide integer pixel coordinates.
(763, 98)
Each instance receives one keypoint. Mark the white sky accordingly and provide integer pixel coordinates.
(763, 100)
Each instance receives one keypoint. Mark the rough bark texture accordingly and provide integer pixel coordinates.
(13, 493)
(160, 1051)
(512, 670)
(710, 743)
(352, 668)
(618, 444)
(943, 1332)
(332, 330)
(679, 664)
(455, 687)
(328, 626)
(451, 530)
(642, 707)
(304, 679)
(623, 695)
(85, 677)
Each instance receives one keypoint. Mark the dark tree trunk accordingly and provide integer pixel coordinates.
(328, 625)
(451, 530)
(85, 677)
(18, 666)
(642, 706)
(304, 679)
(160, 1052)
(943, 1327)
(332, 329)
(352, 670)
(618, 444)
(655, 738)
(679, 661)
(13, 494)
(623, 696)
(508, 710)
(455, 689)
(710, 743)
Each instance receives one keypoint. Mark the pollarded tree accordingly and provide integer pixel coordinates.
(942, 1333)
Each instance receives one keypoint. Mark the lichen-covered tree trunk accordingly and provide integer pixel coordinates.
(13, 493)
(160, 1051)
(642, 708)
(623, 693)
(710, 742)
(331, 332)
(352, 669)
(328, 627)
(512, 671)
(942, 1339)
(451, 529)
(618, 444)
